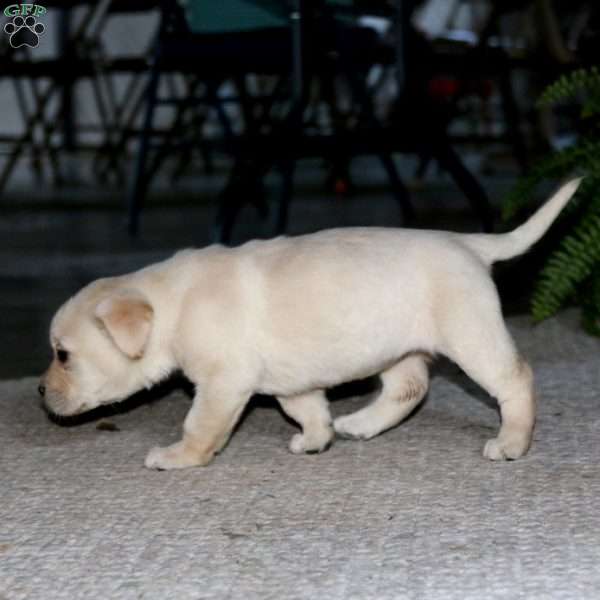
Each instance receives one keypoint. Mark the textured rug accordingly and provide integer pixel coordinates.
(415, 513)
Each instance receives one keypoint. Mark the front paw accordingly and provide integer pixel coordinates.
(507, 447)
(176, 456)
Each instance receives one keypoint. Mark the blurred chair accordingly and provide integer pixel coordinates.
(474, 63)
(19, 65)
(47, 110)
(226, 42)
(117, 109)
(416, 124)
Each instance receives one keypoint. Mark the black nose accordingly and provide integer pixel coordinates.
(42, 390)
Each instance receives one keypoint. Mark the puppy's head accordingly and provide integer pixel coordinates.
(99, 339)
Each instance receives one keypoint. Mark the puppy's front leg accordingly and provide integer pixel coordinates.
(206, 429)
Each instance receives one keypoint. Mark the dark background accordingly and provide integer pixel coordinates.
(133, 129)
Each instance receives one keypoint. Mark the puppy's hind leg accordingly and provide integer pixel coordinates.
(485, 351)
(206, 429)
(311, 412)
(404, 386)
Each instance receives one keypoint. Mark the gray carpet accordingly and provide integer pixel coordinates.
(415, 513)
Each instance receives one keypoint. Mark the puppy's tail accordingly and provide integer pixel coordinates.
(495, 247)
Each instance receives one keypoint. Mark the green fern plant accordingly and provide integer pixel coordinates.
(571, 274)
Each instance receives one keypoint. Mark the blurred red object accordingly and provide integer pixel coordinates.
(341, 187)
(444, 88)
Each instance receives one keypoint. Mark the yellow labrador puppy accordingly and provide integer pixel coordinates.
(293, 316)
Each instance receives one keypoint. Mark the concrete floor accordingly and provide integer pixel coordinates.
(56, 241)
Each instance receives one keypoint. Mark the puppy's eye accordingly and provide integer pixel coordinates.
(62, 356)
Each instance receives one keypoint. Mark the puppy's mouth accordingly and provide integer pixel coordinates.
(57, 410)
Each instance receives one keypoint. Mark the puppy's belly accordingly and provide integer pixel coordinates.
(337, 349)
(299, 373)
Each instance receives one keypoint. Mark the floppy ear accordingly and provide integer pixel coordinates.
(127, 317)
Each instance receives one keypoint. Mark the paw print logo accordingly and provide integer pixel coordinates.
(24, 31)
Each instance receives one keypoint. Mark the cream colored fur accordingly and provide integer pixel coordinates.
(294, 316)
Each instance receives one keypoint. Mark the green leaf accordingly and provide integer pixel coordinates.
(572, 271)
(571, 84)
(577, 256)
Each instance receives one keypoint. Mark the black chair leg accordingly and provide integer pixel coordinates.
(399, 190)
(227, 211)
(287, 186)
(230, 203)
(512, 118)
(424, 162)
(451, 162)
(245, 187)
(138, 190)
